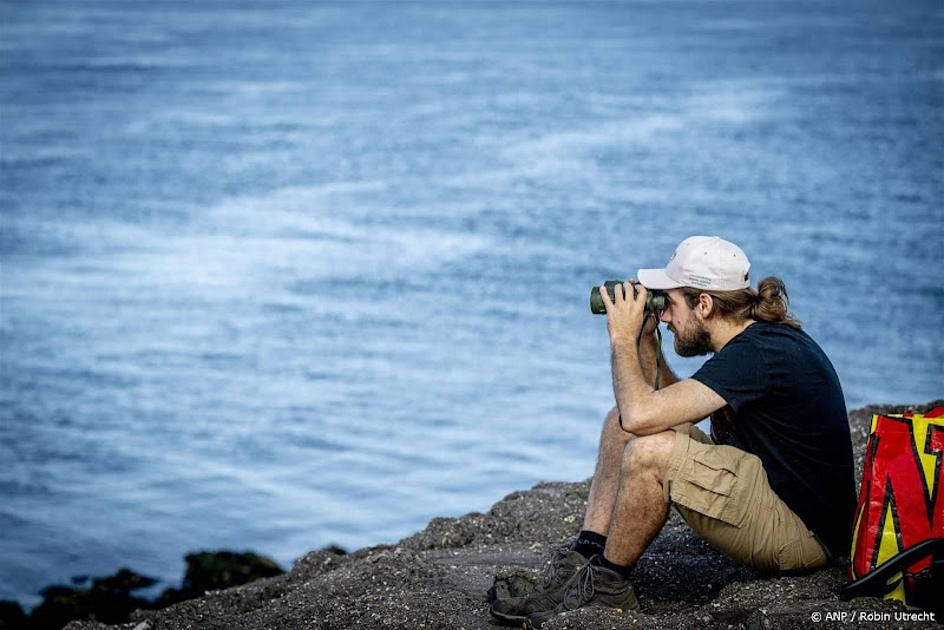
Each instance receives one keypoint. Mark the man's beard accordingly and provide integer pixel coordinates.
(693, 340)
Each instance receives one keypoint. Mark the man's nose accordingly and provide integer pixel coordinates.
(664, 317)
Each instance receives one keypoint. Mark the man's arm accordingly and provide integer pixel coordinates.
(644, 410)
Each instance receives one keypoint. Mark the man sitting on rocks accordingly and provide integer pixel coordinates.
(773, 487)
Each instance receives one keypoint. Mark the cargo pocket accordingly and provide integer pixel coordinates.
(707, 483)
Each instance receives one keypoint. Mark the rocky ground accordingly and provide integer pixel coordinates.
(443, 576)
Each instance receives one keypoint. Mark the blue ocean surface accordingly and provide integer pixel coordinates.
(278, 275)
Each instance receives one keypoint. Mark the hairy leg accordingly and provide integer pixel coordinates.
(640, 510)
(606, 476)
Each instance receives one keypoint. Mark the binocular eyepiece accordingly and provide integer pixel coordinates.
(654, 303)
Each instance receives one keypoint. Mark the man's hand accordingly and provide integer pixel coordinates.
(625, 314)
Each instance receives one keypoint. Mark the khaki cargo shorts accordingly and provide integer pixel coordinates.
(723, 494)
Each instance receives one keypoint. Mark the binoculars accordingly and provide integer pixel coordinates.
(654, 303)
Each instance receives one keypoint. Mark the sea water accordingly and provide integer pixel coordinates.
(279, 275)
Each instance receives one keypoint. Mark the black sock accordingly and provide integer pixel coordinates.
(590, 544)
(626, 570)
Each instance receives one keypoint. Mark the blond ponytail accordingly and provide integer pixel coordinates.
(772, 304)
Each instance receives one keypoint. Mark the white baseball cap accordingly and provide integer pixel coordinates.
(702, 262)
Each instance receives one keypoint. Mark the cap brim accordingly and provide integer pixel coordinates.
(656, 279)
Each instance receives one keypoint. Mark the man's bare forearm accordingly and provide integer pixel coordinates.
(629, 384)
(643, 410)
(634, 370)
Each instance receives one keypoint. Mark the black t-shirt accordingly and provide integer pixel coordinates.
(785, 405)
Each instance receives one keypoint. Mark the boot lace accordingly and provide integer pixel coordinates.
(580, 590)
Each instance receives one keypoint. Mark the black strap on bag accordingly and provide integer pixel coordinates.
(929, 583)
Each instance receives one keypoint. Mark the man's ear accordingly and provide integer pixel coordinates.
(705, 305)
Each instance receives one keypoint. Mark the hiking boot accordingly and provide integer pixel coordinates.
(592, 586)
(547, 593)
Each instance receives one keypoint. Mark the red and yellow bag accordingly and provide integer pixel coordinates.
(898, 536)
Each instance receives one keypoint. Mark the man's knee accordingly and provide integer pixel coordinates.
(648, 453)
